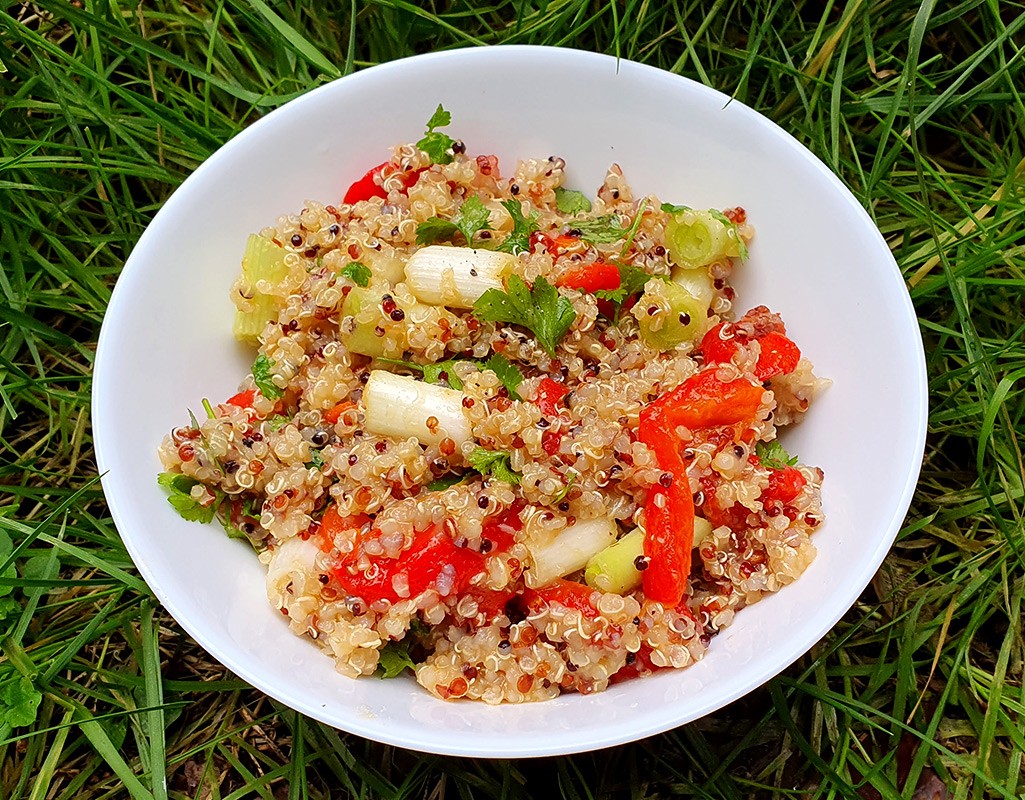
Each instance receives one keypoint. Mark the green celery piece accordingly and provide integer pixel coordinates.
(262, 261)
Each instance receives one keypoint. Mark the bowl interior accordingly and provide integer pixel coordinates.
(817, 259)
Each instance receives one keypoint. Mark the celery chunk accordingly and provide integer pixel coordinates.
(364, 306)
(668, 314)
(262, 261)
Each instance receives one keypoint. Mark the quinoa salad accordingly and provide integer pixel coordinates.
(502, 435)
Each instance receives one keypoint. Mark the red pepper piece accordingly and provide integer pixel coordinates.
(242, 399)
(704, 401)
(668, 541)
(551, 442)
(501, 530)
(784, 485)
(779, 356)
(590, 277)
(549, 395)
(491, 603)
(642, 661)
(366, 187)
(561, 592)
(333, 414)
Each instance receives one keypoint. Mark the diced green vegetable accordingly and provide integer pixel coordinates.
(262, 261)
(613, 569)
(697, 283)
(363, 338)
(668, 314)
(698, 238)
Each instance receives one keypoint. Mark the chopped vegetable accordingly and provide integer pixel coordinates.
(569, 550)
(366, 187)
(540, 309)
(438, 146)
(570, 201)
(263, 261)
(698, 238)
(614, 569)
(784, 485)
(263, 379)
(777, 354)
(494, 464)
(590, 277)
(333, 414)
(669, 315)
(549, 394)
(396, 405)
(367, 336)
(440, 484)
(456, 276)
(358, 273)
(242, 399)
(605, 229)
(561, 592)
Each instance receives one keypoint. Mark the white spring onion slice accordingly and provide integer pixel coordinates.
(400, 406)
(456, 276)
(570, 550)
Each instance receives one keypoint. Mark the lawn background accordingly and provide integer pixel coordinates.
(105, 108)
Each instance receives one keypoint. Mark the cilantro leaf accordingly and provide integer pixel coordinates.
(358, 273)
(518, 241)
(773, 455)
(444, 482)
(278, 421)
(540, 310)
(434, 230)
(438, 146)
(316, 460)
(669, 208)
(631, 232)
(565, 488)
(570, 201)
(19, 703)
(507, 373)
(180, 498)
(631, 282)
(472, 218)
(433, 373)
(262, 378)
(493, 463)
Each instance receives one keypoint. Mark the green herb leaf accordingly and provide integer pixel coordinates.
(278, 421)
(570, 201)
(395, 658)
(493, 463)
(773, 455)
(631, 232)
(565, 488)
(473, 217)
(19, 703)
(631, 282)
(432, 372)
(669, 208)
(316, 460)
(434, 230)
(262, 378)
(180, 497)
(438, 146)
(605, 229)
(518, 241)
(444, 482)
(357, 272)
(540, 310)
(507, 373)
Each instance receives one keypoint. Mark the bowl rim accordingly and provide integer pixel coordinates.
(624, 732)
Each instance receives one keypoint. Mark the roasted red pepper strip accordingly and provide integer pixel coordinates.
(568, 594)
(242, 399)
(549, 395)
(333, 414)
(784, 485)
(366, 187)
(701, 401)
(590, 277)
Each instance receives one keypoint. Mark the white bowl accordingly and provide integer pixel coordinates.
(817, 259)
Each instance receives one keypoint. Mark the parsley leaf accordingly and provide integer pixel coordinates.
(358, 273)
(180, 498)
(773, 455)
(669, 208)
(493, 463)
(631, 282)
(442, 483)
(605, 229)
(507, 373)
(395, 658)
(278, 421)
(565, 488)
(19, 703)
(316, 460)
(472, 218)
(438, 146)
(518, 241)
(262, 378)
(433, 373)
(570, 201)
(434, 230)
(540, 310)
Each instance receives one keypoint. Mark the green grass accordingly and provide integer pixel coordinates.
(105, 108)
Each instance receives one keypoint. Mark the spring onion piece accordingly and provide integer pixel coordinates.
(364, 306)
(570, 550)
(668, 314)
(697, 238)
(400, 406)
(614, 569)
(697, 283)
(456, 276)
(262, 261)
